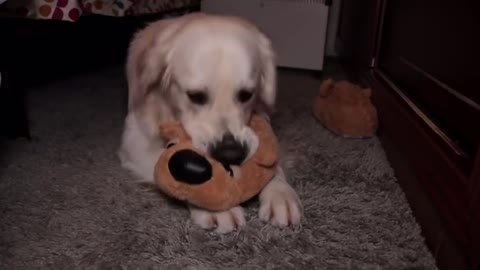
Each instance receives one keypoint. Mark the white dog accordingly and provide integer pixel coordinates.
(209, 72)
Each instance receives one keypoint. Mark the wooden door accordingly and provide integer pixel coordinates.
(431, 49)
(419, 59)
(474, 226)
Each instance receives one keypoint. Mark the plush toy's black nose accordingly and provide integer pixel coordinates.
(189, 167)
(229, 151)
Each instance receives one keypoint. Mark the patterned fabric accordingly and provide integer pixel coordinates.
(155, 6)
(106, 7)
(67, 10)
(71, 10)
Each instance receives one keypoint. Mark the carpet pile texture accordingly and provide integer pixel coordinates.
(65, 202)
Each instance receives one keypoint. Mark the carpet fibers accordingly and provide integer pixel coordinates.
(65, 203)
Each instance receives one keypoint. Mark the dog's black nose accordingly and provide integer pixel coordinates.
(229, 151)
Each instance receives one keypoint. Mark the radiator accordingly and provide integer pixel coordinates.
(297, 28)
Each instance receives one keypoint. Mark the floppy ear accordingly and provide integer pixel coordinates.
(147, 66)
(268, 73)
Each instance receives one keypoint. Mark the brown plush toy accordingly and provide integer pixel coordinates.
(187, 174)
(345, 109)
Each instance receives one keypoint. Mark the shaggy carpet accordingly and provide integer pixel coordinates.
(65, 202)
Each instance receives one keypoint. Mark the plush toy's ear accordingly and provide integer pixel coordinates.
(173, 131)
(367, 92)
(267, 159)
(267, 152)
(327, 88)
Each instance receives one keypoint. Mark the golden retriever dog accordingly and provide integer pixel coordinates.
(209, 72)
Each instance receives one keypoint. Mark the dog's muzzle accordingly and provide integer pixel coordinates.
(229, 151)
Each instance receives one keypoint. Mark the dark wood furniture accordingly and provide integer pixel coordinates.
(420, 59)
(33, 52)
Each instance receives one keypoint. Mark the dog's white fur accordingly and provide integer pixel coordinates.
(217, 55)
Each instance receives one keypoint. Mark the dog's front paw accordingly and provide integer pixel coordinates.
(221, 222)
(280, 205)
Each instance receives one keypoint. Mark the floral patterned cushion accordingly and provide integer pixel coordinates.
(71, 10)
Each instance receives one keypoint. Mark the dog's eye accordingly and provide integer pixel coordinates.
(244, 96)
(197, 97)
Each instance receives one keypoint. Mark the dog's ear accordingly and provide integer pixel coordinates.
(268, 73)
(147, 66)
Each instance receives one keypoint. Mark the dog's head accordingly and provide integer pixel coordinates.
(214, 72)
